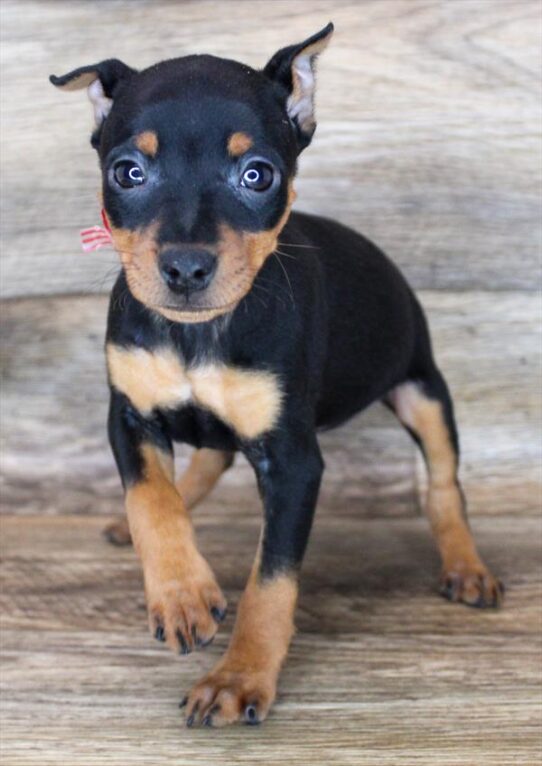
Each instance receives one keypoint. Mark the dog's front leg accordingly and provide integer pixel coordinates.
(243, 683)
(184, 601)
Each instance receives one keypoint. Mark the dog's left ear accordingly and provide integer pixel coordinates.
(102, 81)
(295, 69)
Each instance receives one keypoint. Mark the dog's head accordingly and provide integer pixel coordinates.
(198, 156)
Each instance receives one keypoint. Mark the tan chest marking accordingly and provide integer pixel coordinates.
(247, 400)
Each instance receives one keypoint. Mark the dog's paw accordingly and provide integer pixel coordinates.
(185, 606)
(473, 586)
(118, 532)
(226, 696)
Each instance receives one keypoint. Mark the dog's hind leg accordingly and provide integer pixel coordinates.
(424, 406)
(204, 470)
(117, 532)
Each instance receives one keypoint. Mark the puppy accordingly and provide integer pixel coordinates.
(237, 325)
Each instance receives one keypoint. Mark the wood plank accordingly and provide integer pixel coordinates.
(381, 670)
(55, 456)
(429, 137)
(363, 570)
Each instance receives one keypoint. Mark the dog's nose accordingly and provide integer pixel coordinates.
(187, 271)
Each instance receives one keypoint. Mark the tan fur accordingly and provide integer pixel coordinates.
(82, 81)
(197, 315)
(117, 532)
(101, 104)
(149, 379)
(254, 246)
(205, 468)
(247, 400)
(425, 417)
(238, 144)
(248, 672)
(147, 142)
(138, 251)
(240, 256)
(300, 102)
(265, 624)
(260, 245)
(179, 585)
(444, 502)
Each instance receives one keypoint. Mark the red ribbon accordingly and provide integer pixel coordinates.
(96, 236)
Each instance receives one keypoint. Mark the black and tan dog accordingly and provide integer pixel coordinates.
(217, 340)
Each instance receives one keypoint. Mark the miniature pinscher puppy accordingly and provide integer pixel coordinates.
(238, 325)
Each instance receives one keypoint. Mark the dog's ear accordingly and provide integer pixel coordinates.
(294, 68)
(102, 81)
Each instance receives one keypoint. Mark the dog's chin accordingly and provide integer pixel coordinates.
(193, 315)
(195, 308)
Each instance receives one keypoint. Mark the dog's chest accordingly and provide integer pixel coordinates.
(248, 401)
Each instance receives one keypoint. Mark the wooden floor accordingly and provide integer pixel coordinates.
(429, 142)
(381, 671)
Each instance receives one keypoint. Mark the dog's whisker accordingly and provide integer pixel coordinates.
(286, 255)
(258, 297)
(293, 244)
(273, 287)
(269, 292)
(98, 283)
(277, 256)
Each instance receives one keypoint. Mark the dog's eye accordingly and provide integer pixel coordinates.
(128, 174)
(257, 176)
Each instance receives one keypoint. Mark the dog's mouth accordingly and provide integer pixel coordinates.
(189, 313)
(231, 282)
(189, 308)
(239, 257)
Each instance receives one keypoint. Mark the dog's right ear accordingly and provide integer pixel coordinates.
(102, 81)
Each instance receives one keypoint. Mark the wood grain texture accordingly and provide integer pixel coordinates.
(428, 142)
(429, 135)
(55, 456)
(381, 670)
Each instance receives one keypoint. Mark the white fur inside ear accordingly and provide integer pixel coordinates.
(100, 103)
(300, 104)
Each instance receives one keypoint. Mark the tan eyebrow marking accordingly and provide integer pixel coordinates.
(238, 144)
(147, 142)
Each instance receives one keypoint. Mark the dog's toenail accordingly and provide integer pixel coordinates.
(251, 715)
(183, 646)
(219, 615)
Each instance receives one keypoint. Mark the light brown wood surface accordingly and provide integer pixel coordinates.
(428, 142)
(382, 671)
(428, 139)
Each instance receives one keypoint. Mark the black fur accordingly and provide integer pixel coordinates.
(329, 314)
(341, 328)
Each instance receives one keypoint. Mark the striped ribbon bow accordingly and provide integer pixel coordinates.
(97, 236)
